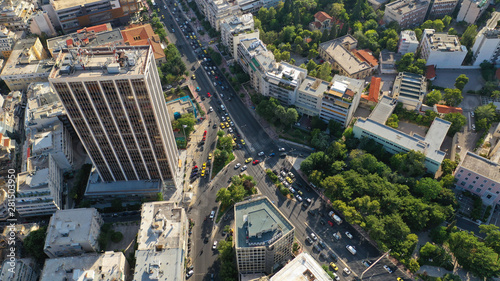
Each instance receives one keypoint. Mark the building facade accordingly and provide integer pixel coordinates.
(15, 14)
(441, 8)
(7, 40)
(23, 270)
(341, 100)
(40, 23)
(407, 13)
(309, 96)
(442, 50)
(471, 10)
(263, 236)
(119, 114)
(408, 42)
(487, 44)
(235, 29)
(73, 232)
(322, 21)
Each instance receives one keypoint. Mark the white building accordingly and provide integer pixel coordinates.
(107, 266)
(43, 106)
(15, 14)
(23, 270)
(56, 141)
(441, 49)
(487, 43)
(255, 60)
(40, 23)
(73, 232)
(471, 10)
(302, 267)
(39, 189)
(283, 81)
(236, 28)
(408, 42)
(7, 40)
(10, 109)
(341, 100)
(310, 95)
(162, 242)
(407, 13)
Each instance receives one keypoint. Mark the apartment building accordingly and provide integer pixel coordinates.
(322, 22)
(15, 14)
(388, 62)
(234, 29)
(27, 63)
(10, 112)
(107, 266)
(4, 208)
(479, 176)
(72, 15)
(141, 35)
(441, 49)
(410, 90)
(39, 189)
(408, 42)
(101, 35)
(162, 242)
(407, 13)
(310, 95)
(263, 236)
(487, 44)
(283, 81)
(217, 10)
(341, 99)
(441, 8)
(302, 267)
(43, 107)
(340, 54)
(22, 270)
(471, 10)
(115, 103)
(8, 39)
(40, 23)
(53, 139)
(255, 60)
(395, 141)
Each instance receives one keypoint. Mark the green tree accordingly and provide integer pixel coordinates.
(487, 111)
(448, 166)
(411, 163)
(451, 277)
(469, 36)
(461, 81)
(185, 123)
(225, 144)
(457, 122)
(452, 97)
(438, 25)
(324, 71)
(335, 128)
(447, 20)
(34, 243)
(492, 238)
(393, 121)
(433, 97)
(223, 196)
(116, 236)
(429, 188)
(290, 117)
(413, 265)
(452, 31)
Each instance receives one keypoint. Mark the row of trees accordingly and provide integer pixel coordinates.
(241, 187)
(174, 68)
(271, 110)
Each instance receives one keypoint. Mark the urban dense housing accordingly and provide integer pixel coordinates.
(407, 13)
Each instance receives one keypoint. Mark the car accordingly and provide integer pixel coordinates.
(210, 109)
(249, 160)
(242, 142)
(299, 198)
(281, 149)
(388, 269)
(313, 236)
(165, 7)
(322, 256)
(336, 236)
(231, 123)
(330, 223)
(212, 215)
(204, 166)
(237, 166)
(244, 168)
(291, 175)
(205, 240)
(255, 162)
(347, 271)
(322, 244)
(312, 213)
(195, 168)
(399, 279)
(348, 234)
(202, 173)
(198, 89)
(222, 126)
(223, 119)
(333, 256)
(204, 133)
(189, 274)
(366, 263)
(317, 248)
(272, 154)
(261, 153)
(283, 154)
(215, 84)
(227, 124)
(215, 245)
(473, 127)
(173, 30)
(472, 114)
(210, 156)
(209, 95)
(334, 266)
(202, 98)
(308, 200)
(335, 276)
(230, 129)
(289, 180)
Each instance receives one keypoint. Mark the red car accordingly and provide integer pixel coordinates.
(255, 162)
(195, 167)
(216, 77)
(209, 95)
(330, 223)
(205, 133)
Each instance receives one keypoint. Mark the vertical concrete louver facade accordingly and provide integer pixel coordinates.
(115, 102)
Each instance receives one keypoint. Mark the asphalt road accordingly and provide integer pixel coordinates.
(206, 231)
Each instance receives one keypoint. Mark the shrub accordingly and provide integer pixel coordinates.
(116, 236)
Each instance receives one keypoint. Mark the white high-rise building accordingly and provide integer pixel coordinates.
(487, 44)
(115, 102)
(471, 10)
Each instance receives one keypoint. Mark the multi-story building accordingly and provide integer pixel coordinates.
(7, 40)
(15, 14)
(441, 8)
(43, 107)
(341, 99)
(4, 208)
(407, 13)
(22, 270)
(107, 266)
(487, 44)
(471, 10)
(388, 62)
(72, 15)
(339, 53)
(255, 60)
(282, 82)
(410, 89)
(263, 236)
(115, 103)
(441, 49)
(162, 242)
(302, 267)
(322, 21)
(140, 35)
(40, 23)
(479, 176)
(39, 188)
(10, 112)
(54, 139)
(395, 141)
(310, 95)
(101, 35)
(234, 29)
(408, 42)
(27, 63)
(73, 232)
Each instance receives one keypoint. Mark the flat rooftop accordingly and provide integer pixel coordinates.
(96, 187)
(437, 133)
(314, 86)
(410, 86)
(70, 226)
(36, 179)
(238, 23)
(482, 166)
(151, 265)
(408, 36)
(406, 6)
(443, 42)
(98, 39)
(383, 110)
(259, 223)
(64, 4)
(302, 268)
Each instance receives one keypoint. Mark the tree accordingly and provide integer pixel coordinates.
(487, 111)
(438, 25)
(34, 243)
(223, 196)
(335, 128)
(447, 20)
(433, 97)
(452, 31)
(116, 236)
(469, 36)
(457, 122)
(413, 265)
(429, 188)
(393, 121)
(448, 166)
(492, 238)
(290, 117)
(225, 144)
(185, 123)
(324, 71)
(452, 97)
(461, 81)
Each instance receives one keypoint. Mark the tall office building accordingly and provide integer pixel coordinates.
(114, 100)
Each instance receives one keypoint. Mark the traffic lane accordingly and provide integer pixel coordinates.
(182, 42)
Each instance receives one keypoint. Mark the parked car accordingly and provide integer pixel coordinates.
(388, 269)
(348, 234)
(212, 214)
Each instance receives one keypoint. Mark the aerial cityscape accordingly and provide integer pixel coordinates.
(249, 140)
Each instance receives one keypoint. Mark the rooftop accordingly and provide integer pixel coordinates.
(302, 268)
(443, 42)
(96, 187)
(408, 36)
(140, 35)
(374, 89)
(491, 30)
(237, 23)
(383, 110)
(22, 61)
(388, 59)
(64, 4)
(406, 6)
(443, 109)
(259, 223)
(366, 56)
(70, 226)
(343, 56)
(314, 86)
(28, 181)
(285, 73)
(43, 102)
(410, 86)
(159, 265)
(107, 266)
(322, 16)
(482, 166)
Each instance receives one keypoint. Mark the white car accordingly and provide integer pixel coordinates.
(336, 235)
(298, 198)
(313, 236)
(212, 214)
(243, 168)
(210, 109)
(348, 234)
(237, 166)
(388, 269)
(190, 273)
(281, 149)
(335, 276)
(261, 153)
(347, 271)
(215, 245)
(230, 129)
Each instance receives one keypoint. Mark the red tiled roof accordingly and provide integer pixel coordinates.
(374, 89)
(366, 57)
(497, 74)
(143, 35)
(349, 93)
(443, 109)
(307, 40)
(322, 16)
(6, 142)
(69, 42)
(95, 29)
(317, 24)
(430, 73)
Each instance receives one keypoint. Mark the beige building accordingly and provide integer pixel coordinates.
(15, 14)
(339, 53)
(471, 10)
(27, 63)
(407, 13)
(234, 29)
(310, 94)
(40, 23)
(302, 267)
(23, 270)
(441, 8)
(408, 42)
(263, 236)
(8, 39)
(487, 43)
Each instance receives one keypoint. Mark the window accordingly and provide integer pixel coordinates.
(489, 196)
(468, 174)
(477, 178)
(466, 178)
(471, 186)
(478, 190)
(474, 182)
(463, 183)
